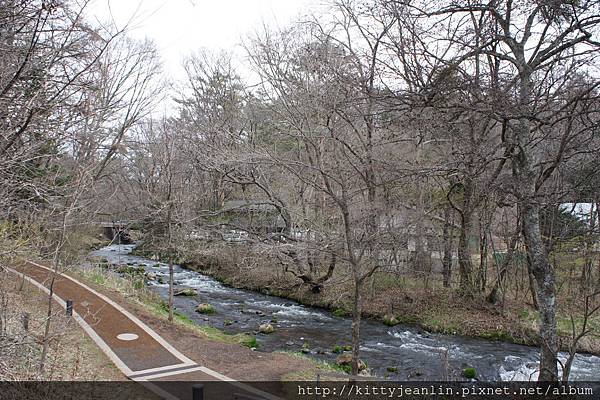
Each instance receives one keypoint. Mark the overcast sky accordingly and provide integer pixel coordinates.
(179, 27)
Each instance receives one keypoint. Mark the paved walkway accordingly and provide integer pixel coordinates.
(138, 351)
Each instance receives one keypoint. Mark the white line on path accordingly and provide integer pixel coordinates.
(169, 373)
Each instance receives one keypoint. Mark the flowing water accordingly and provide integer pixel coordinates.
(417, 355)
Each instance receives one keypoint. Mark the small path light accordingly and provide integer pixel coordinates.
(69, 308)
(198, 392)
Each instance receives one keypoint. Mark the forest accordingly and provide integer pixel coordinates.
(415, 162)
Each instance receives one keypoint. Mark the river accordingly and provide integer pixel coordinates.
(417, 355)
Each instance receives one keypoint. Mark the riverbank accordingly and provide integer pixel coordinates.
(389, 298)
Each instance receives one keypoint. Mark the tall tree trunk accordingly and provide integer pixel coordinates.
(532, 287)
(358, 279)
(465, 263)
(503, 269)
(419, 258)
(47, 324)
(217, 196)
(286, 216)
(55, 273)
(447, 238)
(483, 258)
(170, 254)
(356, 318)
(597, 240)
(586, 271)
(543, 272)
(171, 279)
(170, 232)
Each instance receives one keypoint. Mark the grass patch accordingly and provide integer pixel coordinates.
(319, 364)
(97, 278)
(565, 328)
(441, 323)
(347, 369)
(385, 280)
(340, 312)
(524, 314)
(138, 284)
(219, 335)
(499, 336)
(162, 309)
(341, 348)
(408, 319)
(250, 342)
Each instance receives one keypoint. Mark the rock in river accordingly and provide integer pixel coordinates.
(266, 328)
(205, 308)
(185, 291)
(252, 311)
(151, 276)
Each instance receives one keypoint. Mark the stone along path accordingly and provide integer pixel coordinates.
(137, 350)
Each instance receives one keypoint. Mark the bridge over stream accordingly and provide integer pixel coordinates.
(116, 230)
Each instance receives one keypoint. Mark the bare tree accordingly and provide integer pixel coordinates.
(324, 88)
(536, 47)
(67, 92)
(158, 165)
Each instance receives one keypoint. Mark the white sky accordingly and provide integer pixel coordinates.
(179, 27)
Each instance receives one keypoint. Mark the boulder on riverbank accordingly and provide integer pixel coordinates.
(390, 320)
(346, 360)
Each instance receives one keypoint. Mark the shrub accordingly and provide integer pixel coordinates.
(469, 373)
(250, 342)
(339, 312)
